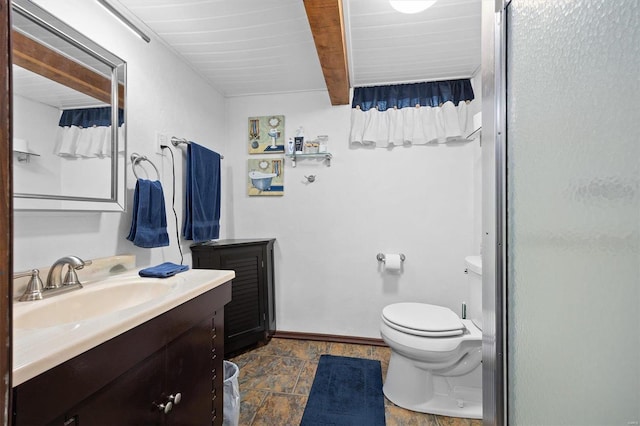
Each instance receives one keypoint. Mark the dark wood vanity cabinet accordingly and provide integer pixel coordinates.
(250, 317)
(130, 380)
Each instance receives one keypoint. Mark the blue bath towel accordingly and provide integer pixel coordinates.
(149, 220)
(202, 203)
(163, 270)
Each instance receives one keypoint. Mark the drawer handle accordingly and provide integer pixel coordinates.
(175, 399)
(165, 408)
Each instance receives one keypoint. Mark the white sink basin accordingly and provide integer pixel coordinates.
(89, 302)
(49, 332)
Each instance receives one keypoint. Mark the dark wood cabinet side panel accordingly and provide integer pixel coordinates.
(217, 368)
(271, 290)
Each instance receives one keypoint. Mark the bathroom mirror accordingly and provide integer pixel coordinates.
(69, 146)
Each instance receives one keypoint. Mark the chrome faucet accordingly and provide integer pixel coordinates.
(54, 279)
(55, 284)
(34, 288)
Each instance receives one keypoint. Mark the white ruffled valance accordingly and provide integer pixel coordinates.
(89, 142)
(414, 125)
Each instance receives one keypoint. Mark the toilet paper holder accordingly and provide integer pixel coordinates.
(381, 258)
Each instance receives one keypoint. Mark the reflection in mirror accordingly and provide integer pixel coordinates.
(68, 93)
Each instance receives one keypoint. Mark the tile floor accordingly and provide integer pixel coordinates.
(275, 381)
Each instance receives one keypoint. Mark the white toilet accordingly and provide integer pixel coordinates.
(436, 357)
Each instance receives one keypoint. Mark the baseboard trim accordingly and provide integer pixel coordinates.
(329, 338)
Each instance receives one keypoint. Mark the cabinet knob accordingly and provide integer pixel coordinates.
(165, 407)
(175, 398)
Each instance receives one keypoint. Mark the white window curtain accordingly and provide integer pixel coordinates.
(417, 113)
(86, 133)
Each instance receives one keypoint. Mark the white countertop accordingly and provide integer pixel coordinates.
(36, 350)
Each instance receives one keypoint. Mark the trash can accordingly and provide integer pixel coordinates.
(231, 397)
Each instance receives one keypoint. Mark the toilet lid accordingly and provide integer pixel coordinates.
(423, 319)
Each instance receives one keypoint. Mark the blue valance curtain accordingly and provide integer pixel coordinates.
(86, 132)
(89, 117)
(415, 113)
(429, 93)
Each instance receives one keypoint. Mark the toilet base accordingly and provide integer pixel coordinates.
(413, 388)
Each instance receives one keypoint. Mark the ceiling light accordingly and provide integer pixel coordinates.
(411, 6)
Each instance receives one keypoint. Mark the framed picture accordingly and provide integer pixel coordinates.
(265, 176)
(266, 134)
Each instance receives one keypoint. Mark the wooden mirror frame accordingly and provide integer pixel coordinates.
(6, 216)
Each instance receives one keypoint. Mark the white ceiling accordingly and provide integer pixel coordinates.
(241, 46)
(246, 47)
(386, 46)
(266, 46)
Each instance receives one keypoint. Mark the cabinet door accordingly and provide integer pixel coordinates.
(270, 301)
(188, 371)
(245, 314)
(129, 400)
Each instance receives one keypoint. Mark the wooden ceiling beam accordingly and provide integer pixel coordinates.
(327, 26)
(40, 59)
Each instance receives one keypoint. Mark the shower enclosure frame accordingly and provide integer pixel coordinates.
(494, 213)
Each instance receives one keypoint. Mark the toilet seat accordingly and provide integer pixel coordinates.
(421, 319)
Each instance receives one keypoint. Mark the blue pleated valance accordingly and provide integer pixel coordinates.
(431, 93)
(89, 117)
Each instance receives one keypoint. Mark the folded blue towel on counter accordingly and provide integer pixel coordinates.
(202, 194)
(163, 270)
(149, 220)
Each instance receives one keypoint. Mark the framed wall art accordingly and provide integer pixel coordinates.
(266, 134)
(265, 176)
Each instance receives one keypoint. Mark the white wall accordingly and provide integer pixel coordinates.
(418, 201)
(476, 82)
(163, 95)
(36, 122)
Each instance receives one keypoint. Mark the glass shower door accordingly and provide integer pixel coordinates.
(573, 212)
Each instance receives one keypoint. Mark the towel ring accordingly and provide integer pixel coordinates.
(136, 159)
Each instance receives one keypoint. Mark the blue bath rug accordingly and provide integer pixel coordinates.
(345, 392)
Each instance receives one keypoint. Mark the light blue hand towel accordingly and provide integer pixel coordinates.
(149, 220)
(202, 203)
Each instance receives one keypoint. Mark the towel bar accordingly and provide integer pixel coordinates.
(136, 159)
(175, 141)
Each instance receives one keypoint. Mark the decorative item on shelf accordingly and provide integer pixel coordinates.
(21, 148)
(266, 135)
(316, 148)
(299, 141)
(265, 177)
(311, 147)
(323, 143)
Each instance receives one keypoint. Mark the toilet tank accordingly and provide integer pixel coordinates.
(474, 285)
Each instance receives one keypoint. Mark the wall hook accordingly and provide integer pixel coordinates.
(311, 178)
